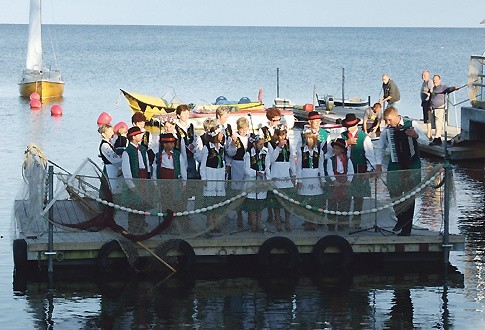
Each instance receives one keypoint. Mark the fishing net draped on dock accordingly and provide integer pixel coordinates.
(141, 209)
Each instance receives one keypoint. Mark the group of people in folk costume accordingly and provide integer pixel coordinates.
(311, 165)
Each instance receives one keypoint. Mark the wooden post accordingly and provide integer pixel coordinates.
(278, 82)
(343, 87)
(50, 238)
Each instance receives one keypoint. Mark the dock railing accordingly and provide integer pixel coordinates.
(141, 209)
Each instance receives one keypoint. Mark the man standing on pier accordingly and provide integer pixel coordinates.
(425, 95)
(391, 93)
(438, 105)
(404, 156)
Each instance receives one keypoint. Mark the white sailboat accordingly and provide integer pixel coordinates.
(37, 77)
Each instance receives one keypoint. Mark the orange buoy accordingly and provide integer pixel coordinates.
(104, 118)
(35, 104)
(56, 110)
(35, 96)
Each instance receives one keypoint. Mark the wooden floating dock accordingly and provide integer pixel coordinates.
(82, 248)
(467, 150)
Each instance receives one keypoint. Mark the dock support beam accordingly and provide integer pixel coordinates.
(50, 242)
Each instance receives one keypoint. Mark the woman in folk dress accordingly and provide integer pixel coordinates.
(283, 171)
(309, 171)
(257, 167)
(111, 160)
(236, 149)
(213, 172)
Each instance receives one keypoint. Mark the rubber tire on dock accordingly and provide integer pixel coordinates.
(182, 263)
(327, 261)
(103, 262)
(281, 243)
(19, 248)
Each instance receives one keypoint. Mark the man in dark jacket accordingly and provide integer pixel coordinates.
(391, 93)
(438, 104)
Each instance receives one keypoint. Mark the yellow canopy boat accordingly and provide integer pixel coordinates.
(155, 106)
(149, 105)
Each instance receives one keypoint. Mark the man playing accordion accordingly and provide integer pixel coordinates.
(401, 136)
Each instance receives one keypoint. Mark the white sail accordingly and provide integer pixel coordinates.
(34, 51)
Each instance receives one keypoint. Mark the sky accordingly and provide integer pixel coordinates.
(306, 13)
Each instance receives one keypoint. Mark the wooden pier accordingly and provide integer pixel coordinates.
(73, 248)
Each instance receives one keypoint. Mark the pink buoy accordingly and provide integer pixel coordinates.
(120, 124)
(104, 118)
(35, 104)
(35, 96)
(56, 110)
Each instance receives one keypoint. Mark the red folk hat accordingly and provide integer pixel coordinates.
(339, 143)
(135, 130)
(313, 115)
(167, 137)
(350, 120)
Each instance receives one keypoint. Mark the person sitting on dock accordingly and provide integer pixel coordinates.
(371, 124)
(438, 104)
(283, 172)
(391, 92)
(236, 148)
(361, 151)
(340, 171)
(309, 170)
(404, 156)
(257, 168)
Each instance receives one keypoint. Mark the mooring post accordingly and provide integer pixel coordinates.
(50, 242)
(343, 87)
(277, 82)
(447, 178)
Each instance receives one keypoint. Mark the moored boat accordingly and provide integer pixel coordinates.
(155, 109)
(354, 102)
(37, 77)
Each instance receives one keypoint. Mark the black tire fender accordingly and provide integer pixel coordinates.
(183, 263)
(323, 260)
(103, 262)
(19, 248)
(281, 243)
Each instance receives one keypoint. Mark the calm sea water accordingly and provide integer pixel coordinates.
(201, 63)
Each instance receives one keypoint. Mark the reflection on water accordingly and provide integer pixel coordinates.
(385, 299)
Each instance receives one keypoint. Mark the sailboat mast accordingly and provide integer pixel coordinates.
(34, 51)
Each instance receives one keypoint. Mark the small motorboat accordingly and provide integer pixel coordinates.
(329, 102)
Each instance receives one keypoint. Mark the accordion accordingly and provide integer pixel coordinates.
(403, 147)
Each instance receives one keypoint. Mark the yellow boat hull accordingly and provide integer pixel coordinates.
(46, 89)
(149, 105)
(156, 106)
